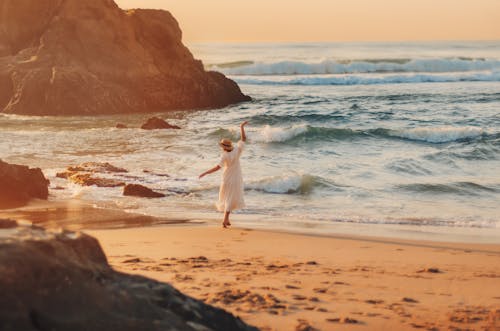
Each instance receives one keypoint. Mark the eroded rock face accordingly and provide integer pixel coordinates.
(137, 190)
(63, 57)
(19, 184)
(62, 281)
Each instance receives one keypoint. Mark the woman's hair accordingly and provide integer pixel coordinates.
(226, 144)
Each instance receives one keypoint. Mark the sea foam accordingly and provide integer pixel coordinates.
(277, 134)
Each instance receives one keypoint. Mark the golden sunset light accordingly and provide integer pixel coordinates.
(331, 20)
(249, 165)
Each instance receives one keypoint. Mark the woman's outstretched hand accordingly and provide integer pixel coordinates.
(201, 176)
(243, 123)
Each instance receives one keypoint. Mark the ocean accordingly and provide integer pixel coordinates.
(387, 139)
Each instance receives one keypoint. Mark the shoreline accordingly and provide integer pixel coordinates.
(280, 280)
(76, 214)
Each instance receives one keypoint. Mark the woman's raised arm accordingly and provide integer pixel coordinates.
(242, 129)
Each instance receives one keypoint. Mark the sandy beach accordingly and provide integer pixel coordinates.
(290, 281)
(282, 281)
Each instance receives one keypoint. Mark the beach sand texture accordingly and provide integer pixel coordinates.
(283, 281)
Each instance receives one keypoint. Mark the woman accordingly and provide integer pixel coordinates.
(231, 188)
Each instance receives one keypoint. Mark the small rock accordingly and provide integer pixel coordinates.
(141, 191)
(157, 123)
(121, 126)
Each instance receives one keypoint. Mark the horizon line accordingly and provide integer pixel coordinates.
(342, 41)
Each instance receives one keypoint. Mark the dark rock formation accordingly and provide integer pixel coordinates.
(157, 123)
(19, 184)
(62, 281)
(141, 191)
(63, 57)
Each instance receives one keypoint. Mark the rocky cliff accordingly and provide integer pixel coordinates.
(62, 281)
(73, 57)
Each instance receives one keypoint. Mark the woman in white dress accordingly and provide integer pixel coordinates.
(231, 187)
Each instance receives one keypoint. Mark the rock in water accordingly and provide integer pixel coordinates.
(62, 281)
(157, 123)
(19, 184)
(84, 174)
(137, 190)
(61, 57)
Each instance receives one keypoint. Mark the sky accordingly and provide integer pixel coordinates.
(330, 20)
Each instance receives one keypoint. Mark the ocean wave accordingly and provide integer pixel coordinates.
(436, 65)
(290, 184)
(439, 134)
(304, 132)
(278, 134)
(459, 188)
(371, 79)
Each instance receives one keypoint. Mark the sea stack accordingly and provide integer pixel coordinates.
(72, 57)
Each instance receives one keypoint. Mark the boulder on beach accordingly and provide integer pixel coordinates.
(73, 57)
(62, 281)
(154, 123)
(19, 184)
(137, 190)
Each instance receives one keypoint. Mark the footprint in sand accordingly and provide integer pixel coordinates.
(343, 320)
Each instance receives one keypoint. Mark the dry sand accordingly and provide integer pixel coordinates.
(281, 281)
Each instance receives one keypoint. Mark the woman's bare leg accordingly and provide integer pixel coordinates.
(226, 222)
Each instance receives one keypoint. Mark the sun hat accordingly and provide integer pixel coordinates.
(226, 144)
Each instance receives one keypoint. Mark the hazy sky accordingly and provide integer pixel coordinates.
(331, 20)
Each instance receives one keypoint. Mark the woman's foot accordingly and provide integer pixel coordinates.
(225, 221)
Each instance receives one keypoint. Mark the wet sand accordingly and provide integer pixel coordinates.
(77, 215)
(282, 281)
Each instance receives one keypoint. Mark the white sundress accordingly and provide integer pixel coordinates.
(231, 187)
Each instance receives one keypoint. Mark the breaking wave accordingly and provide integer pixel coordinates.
(269, 134)
(437, 65)
(367, 79)
(291, 184)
